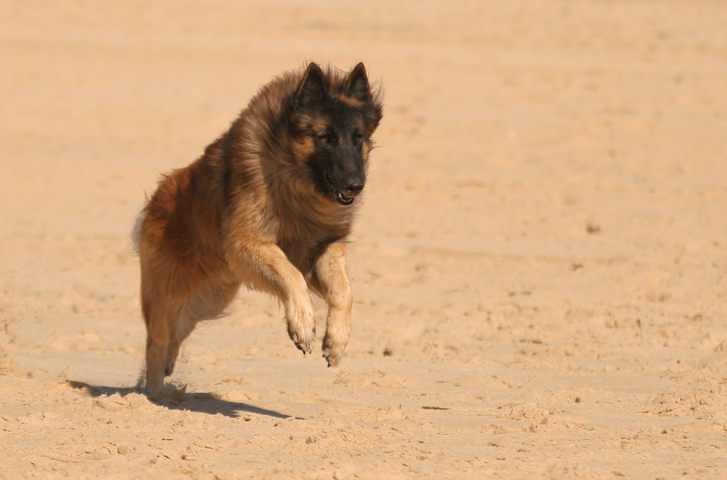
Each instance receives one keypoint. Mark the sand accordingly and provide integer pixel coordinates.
(540, 267)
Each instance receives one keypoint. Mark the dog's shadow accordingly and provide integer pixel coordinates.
(179, 399)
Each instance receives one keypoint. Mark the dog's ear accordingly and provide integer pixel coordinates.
(312, 87)
(357, 84)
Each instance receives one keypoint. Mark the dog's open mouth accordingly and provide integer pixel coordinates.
(343, 199)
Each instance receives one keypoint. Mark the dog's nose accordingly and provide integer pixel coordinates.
(354, 188)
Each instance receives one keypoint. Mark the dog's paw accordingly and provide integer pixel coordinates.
(333, 350)
(302, 328)
(167, 393)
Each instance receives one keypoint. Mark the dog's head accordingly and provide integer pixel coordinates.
(331, 119)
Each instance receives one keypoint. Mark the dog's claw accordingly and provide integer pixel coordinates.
(331, 360)
(328, 361)
(304, 346)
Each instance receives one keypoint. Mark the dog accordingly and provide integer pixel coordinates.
(269, 205)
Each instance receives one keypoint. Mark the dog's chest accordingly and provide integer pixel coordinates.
(303, 240)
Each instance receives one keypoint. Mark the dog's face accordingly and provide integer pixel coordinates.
(331, 127)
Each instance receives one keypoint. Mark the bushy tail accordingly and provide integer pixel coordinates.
(136, 234)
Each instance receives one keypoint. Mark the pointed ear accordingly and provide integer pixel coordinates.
(357, 84)
(312, 88)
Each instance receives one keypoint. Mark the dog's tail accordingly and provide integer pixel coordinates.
(136, 234)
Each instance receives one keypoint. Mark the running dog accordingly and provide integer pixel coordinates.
(269, 205)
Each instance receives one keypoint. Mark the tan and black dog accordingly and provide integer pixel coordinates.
(269, 205)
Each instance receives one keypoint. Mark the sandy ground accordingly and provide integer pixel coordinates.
(540, 268)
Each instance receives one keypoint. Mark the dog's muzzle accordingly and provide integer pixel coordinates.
(349, 194)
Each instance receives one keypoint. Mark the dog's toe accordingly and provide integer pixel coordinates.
(304, 340)
(308, 345)
(332, 355)
(302, 327)
(334, 346)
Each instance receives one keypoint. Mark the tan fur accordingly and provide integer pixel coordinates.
(245, 213)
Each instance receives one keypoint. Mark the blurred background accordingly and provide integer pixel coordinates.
(545, 217)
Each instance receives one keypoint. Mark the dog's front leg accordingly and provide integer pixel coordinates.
(265, 267)
(330, 271)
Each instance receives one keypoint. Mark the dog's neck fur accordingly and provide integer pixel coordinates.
(297, 218)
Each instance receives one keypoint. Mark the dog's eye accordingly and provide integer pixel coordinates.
(325, 138)
(358, 137)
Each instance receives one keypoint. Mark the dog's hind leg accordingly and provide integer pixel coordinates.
(156, 353)
(332, 282)
(160, 318)
(206, 303)
(157, 344)
(182, 328)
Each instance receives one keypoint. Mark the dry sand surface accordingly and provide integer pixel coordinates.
(540, 268)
